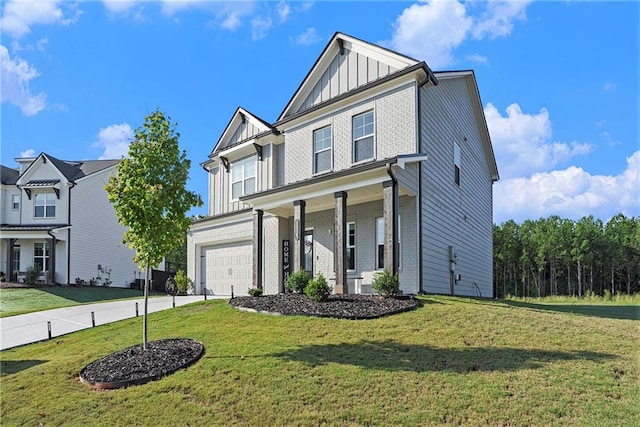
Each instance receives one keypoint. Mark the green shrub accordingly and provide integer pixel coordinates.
(182, 282)
(298, 281)
(386, 284)
(31, 275)
(255, 292)
(318, 288)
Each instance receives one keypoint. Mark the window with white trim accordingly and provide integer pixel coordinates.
(380, 243)
(351, 246)
(456, 163)
(243, 177)
(322, 156)
(44, 205)
(15, 202)
(40, 256)
(363, 134)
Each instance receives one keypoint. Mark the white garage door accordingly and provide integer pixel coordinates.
(228, 265)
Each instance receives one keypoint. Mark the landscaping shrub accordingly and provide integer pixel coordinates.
(255, 292)
(182, 282)
(298, 281)
(31, 275)
(318, 288)
(386, 284)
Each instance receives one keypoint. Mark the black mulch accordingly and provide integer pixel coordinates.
(339, 306)
(135, 366)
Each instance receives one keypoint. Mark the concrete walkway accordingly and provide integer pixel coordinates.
(33, 327)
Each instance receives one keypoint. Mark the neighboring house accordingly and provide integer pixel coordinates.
(56, 217)
(375, 163)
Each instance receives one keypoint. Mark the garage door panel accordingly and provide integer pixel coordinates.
(229, 265)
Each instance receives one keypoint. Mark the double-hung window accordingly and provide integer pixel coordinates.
(40, 256)
(456, 164)
(322, 157)
(351, 246)
(243, 177)
(44, 205)
(15, 202)
(363, 137)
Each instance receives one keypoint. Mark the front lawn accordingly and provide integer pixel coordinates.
(453, 360)
(27, 300)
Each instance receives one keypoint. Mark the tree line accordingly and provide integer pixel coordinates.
(556, 256)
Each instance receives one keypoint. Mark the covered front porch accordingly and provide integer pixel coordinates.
(362, 190)
(43, 247)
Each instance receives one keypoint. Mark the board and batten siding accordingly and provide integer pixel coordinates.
(96, 235)
(451, 215)
(395, 132)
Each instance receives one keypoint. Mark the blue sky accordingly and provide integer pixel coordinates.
(559, 81)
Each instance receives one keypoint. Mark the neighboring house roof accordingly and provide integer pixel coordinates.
(8, 176)
(31, 227)
(71, 170)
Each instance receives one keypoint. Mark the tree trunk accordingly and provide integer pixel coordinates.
(579, 279)
(146, 304)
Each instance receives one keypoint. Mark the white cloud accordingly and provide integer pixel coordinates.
(283, 10)
(19, 16)
(522, 142)
(477, 58)
(431, 29)
(608, 87)
(115, 140)
(16, 77)
(231, 22)
(569, 193)
(497, 19)
(30, 152)
(259, 27)
(310, 36)
(119, 7)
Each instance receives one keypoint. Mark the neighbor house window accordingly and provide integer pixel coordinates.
(16, 258)
(363, 137)
(380, 243)
(322, 150)
(456, 164)
(15, 202)
(351, 246)
(40, 256)
(45, 205)
(243, 177)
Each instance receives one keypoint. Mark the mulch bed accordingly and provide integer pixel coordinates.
(339, 306)
(133, 366)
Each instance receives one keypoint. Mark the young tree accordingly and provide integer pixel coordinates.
(149, 195)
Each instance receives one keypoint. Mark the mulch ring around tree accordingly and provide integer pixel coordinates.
(352, 306)
(133, 366)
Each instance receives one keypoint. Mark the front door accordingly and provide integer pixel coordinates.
(308, 252)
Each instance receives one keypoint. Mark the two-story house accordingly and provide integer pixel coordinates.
(376, 162)
(56, 217)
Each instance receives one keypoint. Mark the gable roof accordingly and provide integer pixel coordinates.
(242, 126)
(345, 64)
(73, 170)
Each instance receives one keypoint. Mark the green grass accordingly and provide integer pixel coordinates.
(27, 300)
(453, 360)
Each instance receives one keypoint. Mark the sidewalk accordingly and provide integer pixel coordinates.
(34, 327)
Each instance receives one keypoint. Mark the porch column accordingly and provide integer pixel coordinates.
(51, 267)
(340, 242)
(390, 208)
(257, 248)
(9, 244)
(298, 235)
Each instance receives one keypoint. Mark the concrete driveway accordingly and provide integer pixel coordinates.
(33, 327)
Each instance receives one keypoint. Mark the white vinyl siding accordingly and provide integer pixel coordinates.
(44, 205)
(243, 177)
(363, 137)
(322, 158)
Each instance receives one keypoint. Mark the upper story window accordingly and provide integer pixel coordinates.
(456, 164)
(44, 205)
(15, 202)
(322, 157)
(243, 177)
(363, 137)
